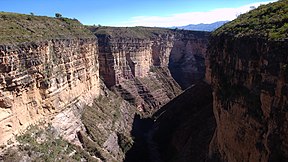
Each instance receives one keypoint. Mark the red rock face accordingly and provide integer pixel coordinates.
(249, 79)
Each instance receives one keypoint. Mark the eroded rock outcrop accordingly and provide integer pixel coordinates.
(137, 67)
(135, 61)
(248, 73)
(46, 74)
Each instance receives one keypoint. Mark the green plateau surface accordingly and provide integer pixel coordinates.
(19, 28)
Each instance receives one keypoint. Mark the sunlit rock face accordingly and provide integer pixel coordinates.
(138, 62)
(39, 79)
(137, 68)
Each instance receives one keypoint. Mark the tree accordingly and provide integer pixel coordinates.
(58, 15)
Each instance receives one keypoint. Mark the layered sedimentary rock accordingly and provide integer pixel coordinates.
(137, 67)
(108, 123)
(135, 62)
(49, 69)
(248, 73)
(45, 74)
(187, 64)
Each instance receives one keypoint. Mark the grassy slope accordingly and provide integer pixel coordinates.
(267, 21)
(18, 28)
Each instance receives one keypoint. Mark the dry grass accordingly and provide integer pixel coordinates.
(18, 28)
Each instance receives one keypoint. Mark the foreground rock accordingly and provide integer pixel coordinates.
(248, 72)
(43, 73)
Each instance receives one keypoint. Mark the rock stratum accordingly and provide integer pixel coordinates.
(247, 68)
(141, 52)
(43, 74)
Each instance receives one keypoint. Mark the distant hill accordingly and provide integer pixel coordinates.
(203, 27)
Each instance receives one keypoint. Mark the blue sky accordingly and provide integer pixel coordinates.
(135, 12)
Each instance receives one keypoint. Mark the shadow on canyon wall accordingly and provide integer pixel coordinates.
(140, 149)
(180, 131)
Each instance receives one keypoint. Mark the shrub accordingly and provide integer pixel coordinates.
(58, 15)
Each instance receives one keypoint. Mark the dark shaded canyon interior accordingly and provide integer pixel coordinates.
(187, 58)
(180, 131)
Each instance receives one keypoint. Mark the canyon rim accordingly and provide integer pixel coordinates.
(70, 92)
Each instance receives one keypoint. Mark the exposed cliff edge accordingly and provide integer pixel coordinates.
(46, 65)
(247, 68)
(141, 55)
(136, 66)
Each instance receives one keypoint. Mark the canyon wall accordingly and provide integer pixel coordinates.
(135, 61)
(137, 67)
(187, 58)
(247, 69)
(52, 71)
(44, 74)
(184, 127)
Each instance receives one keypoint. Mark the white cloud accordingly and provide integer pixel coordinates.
(182, 19)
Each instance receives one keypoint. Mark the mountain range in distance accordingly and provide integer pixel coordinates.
(202, 27)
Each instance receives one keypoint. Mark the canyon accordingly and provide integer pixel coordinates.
(87, 84)
(144, 94)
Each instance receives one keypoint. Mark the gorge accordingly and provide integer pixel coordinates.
(144, 94)
(73, 79)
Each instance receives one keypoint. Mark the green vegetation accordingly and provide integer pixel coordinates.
(124, 142)
(39, 143)
(105, 117)
(18, 28)
(130, 32)
(103, 111)
(267, 21)
(58, 15)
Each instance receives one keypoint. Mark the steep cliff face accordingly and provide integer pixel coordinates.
(248, 73)
(187, 64)
(184, 127)
(135, 61)
(45, 74)
(51, 70)
(136, 66)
